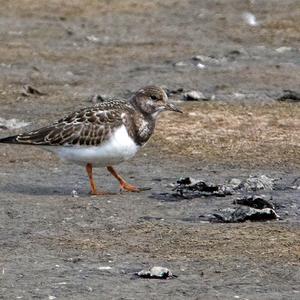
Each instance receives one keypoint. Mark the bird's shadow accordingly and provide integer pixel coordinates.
(51, 190)
(40, 190)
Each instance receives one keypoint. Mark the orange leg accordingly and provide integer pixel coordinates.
(89, 170)
(124, 185)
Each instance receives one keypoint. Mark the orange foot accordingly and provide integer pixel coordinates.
(129, 188)
(124, 185)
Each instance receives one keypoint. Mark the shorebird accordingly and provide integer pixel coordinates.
(102, 135)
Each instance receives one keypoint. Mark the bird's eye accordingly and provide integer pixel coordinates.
(154, 98)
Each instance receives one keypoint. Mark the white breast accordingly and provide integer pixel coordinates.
(118, 148)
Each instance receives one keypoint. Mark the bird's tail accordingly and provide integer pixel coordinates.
(10, 140)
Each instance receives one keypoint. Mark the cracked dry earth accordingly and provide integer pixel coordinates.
(55, 246)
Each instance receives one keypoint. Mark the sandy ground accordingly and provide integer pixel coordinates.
(55, 245)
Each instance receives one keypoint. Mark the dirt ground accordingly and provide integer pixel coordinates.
(55, 246)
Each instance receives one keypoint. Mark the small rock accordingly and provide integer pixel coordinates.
(262, 182)
(235, 183)
(283, 49)
(70, 73)
(209, 59)
(242, 214)
(289, 95)
(201, 66)
(255, 201)
(181, 64)
(250, 19)
(252, 183)
(170, 92)
(29, 90)
(233, 54)
(3, 127)
(104, 268)
(190, 188)
(296, 184)
(74, 259)
(198, 57)
(74, 194)
(239, 96)
(194, 95)
(96, 98)
(156, 273)
(93, 38)
(102, 98)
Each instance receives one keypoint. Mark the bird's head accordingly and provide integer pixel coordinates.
(152, 100)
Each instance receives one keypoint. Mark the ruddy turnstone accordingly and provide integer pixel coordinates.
(102, 135)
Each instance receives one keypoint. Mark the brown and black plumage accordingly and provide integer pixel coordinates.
(105, 134)
(86, 127)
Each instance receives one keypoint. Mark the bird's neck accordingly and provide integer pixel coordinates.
(144, 127)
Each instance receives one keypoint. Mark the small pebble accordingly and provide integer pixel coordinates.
(250, 19)
(104, 268)
(194, 95)
(283, 49)
(156, 273)
(239, 96)
(180, 64)
(93, 38)
(74, 194)
(201, 66)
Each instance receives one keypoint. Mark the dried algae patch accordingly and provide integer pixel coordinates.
(267, 242)
(239, 134)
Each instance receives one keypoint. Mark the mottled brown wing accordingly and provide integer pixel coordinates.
(90, 126)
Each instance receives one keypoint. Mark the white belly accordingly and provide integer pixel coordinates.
(118, 148)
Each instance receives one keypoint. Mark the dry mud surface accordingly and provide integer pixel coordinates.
(55, 246)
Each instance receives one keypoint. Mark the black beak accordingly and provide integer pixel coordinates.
(172, 107)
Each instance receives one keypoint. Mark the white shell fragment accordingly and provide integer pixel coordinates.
(250, 19)
(156, 272)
